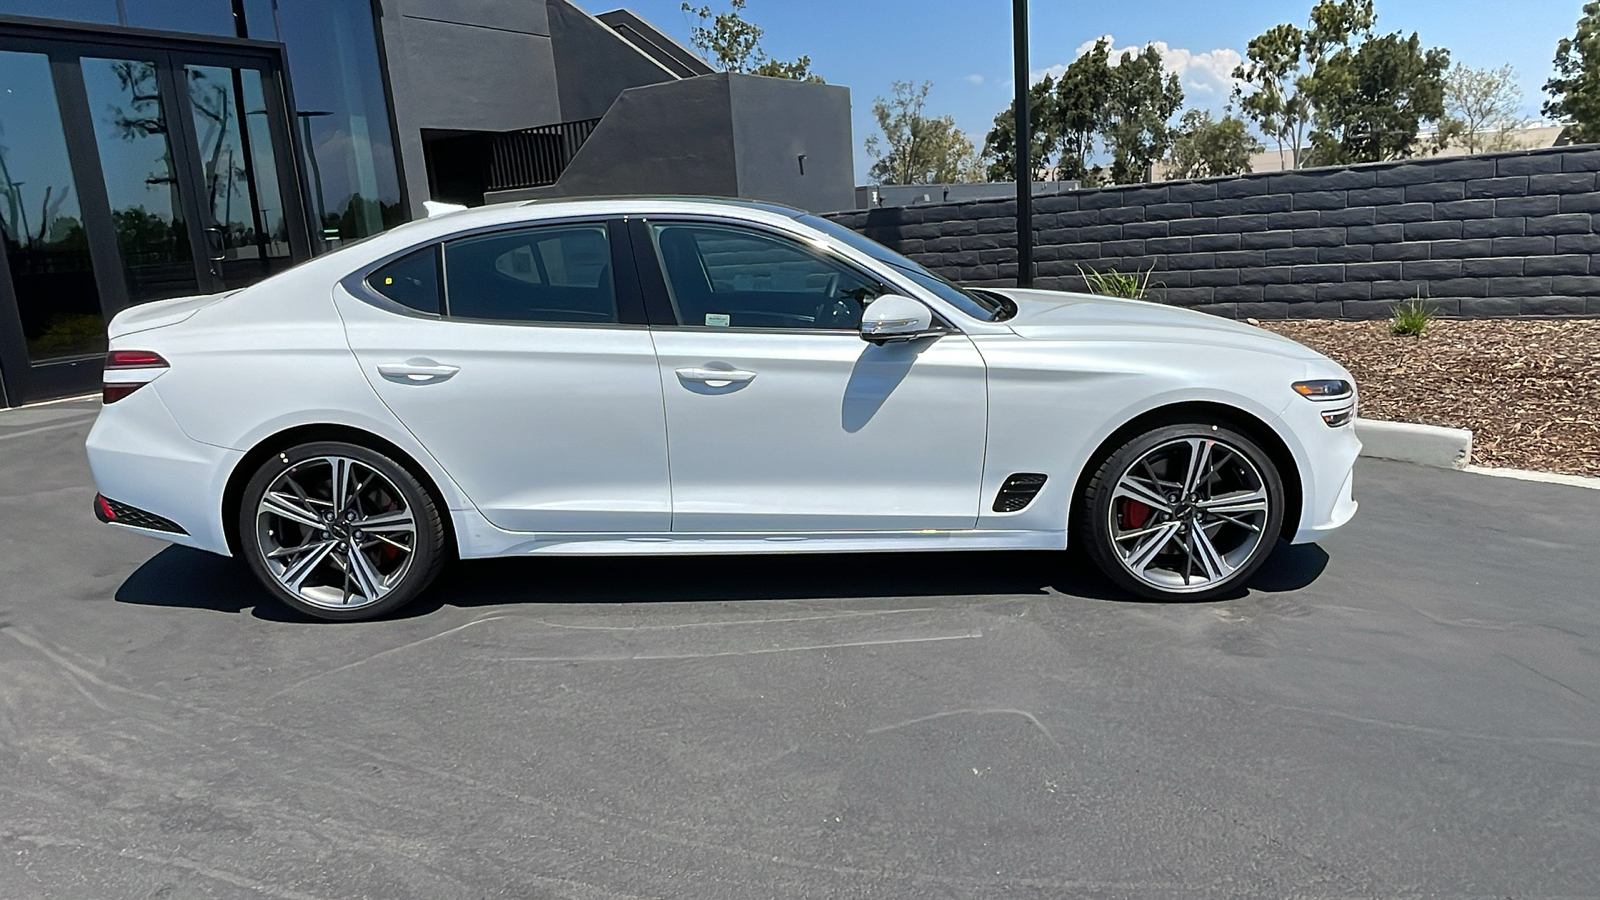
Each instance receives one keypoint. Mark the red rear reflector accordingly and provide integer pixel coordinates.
(134, 359)
(103, 508)
(111, 393)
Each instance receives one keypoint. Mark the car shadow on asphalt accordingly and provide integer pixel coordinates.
(185, 578)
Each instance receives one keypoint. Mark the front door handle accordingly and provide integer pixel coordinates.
(716, 378)
(417, 371)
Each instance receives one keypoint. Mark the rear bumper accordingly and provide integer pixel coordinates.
(142, 461)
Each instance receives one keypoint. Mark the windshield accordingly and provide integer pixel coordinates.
(985, 306)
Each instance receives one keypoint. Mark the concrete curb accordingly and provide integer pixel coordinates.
(1424, 445)
(1582, 481)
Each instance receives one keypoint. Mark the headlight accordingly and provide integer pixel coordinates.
(1324, 389)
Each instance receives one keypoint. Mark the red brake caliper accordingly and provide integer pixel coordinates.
(1132, 514)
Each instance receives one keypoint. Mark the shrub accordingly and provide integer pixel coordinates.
(1410, 318)
(1111, 283)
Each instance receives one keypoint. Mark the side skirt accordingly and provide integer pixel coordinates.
(480, 540)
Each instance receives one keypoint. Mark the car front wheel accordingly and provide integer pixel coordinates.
(339, 531)
(1187, 511)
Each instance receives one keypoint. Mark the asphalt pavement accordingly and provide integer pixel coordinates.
(1408, 710)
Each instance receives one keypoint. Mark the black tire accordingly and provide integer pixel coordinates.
(402, 493)
(1098, 515)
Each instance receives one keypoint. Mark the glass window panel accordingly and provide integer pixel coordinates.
(40, 220)
(724, 277)
(412, 280)
(102, 11)
(130, 128)
(342, 116)
(246, 234)
(197, 16)
(560, 273)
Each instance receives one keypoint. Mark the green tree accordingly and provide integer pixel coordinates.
(1000, 147)
(1205, 147)
(1079, 112)
(1371, 100)
(1482, 108)
(1138, 113)
(916, 148)
(1575, 89)
(1275, 73)
(732, 43)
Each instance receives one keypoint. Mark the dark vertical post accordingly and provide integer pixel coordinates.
(1019, 54)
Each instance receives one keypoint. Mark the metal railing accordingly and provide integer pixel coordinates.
(534, 157)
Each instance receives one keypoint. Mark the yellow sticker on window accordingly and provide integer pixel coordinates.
(389, 280)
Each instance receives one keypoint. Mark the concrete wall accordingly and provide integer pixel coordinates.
(1494, 235)
(775, 123)
(719, 135)
(471, 65)
(671, 138)
(594, 65)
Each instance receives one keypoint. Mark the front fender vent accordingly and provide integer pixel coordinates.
(1018, 491)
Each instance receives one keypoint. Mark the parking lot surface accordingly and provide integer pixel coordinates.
(1409, 710)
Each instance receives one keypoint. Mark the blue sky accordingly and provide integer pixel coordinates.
(964, 46)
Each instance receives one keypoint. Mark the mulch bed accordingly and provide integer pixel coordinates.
(1528, 389)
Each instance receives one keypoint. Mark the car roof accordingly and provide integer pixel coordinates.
(445, 225)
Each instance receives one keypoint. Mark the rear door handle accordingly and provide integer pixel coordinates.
(417, 371)
(716, 378)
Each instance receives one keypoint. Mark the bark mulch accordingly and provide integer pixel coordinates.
(1528, 389)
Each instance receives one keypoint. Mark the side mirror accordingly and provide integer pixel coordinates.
(892, 317)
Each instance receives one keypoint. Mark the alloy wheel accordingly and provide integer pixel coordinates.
(1188, 514)
(335, 532)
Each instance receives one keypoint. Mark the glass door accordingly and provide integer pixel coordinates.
(240, 152)
(131, 173)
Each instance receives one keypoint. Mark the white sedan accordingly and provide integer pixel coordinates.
(658, 376)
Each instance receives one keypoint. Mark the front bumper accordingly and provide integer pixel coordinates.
(1327, 459)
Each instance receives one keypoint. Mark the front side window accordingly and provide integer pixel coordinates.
(722, 276)
(553, 273)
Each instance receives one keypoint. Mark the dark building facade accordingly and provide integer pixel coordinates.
(162, 148)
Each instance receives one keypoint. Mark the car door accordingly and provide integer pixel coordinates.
(520, 359)
(780, 418)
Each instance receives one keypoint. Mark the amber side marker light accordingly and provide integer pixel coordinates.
(131, 361)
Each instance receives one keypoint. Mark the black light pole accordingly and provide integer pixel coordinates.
(1019, 55)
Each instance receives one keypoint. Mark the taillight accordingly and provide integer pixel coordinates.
(134, 359)
(134, 368)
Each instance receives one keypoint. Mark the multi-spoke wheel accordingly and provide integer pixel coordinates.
(1184, 510)
(339, 531)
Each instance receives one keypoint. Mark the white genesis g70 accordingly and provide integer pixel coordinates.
(653, 376)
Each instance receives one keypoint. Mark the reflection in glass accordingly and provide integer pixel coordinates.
(102, 11)
(247, 235)
(197, 16)
(130, 128)
(40, 221)
(343, 116)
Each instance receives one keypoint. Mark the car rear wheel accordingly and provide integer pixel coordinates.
(338, 531)
(1185, 511)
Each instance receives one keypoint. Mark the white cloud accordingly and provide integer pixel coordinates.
(975, 79)
(1207, 76)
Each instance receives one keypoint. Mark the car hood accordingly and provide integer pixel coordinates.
(160, 313)
(1059, 316)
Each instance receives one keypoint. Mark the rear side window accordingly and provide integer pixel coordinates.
(551, 273)
(412, 281)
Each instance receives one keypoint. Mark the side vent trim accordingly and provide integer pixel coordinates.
(1018, 491)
